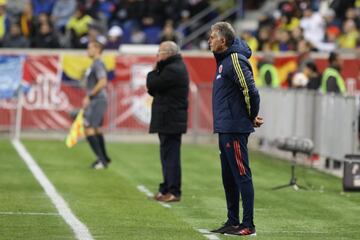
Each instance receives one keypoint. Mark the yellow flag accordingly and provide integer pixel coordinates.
(76, 130)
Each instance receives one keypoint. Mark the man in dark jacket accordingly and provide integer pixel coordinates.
(235, 112)
(168, 83)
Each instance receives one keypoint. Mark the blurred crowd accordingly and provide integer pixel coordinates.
(298, 25)
(72, 23)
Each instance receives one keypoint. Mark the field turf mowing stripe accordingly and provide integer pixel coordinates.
(105, 201)
(80, 230)
(110, 205)
(25, 210)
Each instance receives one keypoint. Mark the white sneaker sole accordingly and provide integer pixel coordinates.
(234, 235)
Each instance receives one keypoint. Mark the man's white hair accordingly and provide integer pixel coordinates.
(171, 47)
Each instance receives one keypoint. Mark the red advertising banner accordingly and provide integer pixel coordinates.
(52, 97)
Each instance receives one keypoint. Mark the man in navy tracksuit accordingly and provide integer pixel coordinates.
(235, 112)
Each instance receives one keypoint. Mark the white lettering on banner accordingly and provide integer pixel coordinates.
(140, 104)
(46, 94)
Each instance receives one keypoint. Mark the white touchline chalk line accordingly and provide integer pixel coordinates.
(29, 213)
(80, 230)
(206, 233)
(148, 193)
(209, 235)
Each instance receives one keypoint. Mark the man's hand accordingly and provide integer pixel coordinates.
(258, 121)
(86, 101)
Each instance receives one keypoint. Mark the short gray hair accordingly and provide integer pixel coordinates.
(224, 30)
(171, 47)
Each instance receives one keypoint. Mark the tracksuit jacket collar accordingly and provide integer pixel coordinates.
(238, 46)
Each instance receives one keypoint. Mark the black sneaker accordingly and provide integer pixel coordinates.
(108, 161)
(99, 165)
(227, 227)
(94, 163)
(242, 231)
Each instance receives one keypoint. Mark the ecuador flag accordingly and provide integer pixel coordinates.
(76, 130)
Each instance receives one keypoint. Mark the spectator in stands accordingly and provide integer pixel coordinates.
(314, 76)
(350, 37)
(168, 33)
(303, 49)
(153, 13)
(46, 38)
(250, 40)
(4, 20)
(62, 12)
(26, 21)
(78, 26)
(137, 36)
(341, 6)
(168, 83)
(42, 6)
(91, 7)
(332, 80)
(313, 26)
(330, 18)
(288, 22)
(128, 14)
(352, 13)
(92, 34)
(285, 43)
(41, 19)
(268, 75)
(114, 37)
(264, 39)
(15, 7)
(105, 11)
(332, 34)
(15, 39)
(309, 77)
(297, 35)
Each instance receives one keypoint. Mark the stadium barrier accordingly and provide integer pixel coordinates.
(330, 121)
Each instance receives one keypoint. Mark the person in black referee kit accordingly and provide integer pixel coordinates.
(168, 83)
(95, 102)
(235, 111)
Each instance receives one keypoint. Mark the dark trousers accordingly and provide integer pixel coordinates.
(236, 176)
(170, 162)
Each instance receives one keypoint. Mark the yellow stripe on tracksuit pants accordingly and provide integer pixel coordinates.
(242, 81)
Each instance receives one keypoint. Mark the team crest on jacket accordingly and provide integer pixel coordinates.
(220, 68)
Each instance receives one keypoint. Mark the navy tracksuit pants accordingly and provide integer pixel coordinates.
(170, 162)
(236, 176)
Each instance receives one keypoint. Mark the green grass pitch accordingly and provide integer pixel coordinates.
(110, 205)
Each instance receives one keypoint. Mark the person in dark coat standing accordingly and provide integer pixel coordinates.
(168, 83)
(236, 104)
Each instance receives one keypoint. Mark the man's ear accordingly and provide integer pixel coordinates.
(223, 41)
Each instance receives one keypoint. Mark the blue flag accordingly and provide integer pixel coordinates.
(10, 75)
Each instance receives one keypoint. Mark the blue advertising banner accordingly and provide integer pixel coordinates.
(10, 75)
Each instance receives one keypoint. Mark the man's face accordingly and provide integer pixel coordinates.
(92, 49)
(163, 53)
(216, 43)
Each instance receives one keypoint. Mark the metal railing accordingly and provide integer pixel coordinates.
(204, 28)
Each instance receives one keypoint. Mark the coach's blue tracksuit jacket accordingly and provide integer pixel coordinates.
(235, 97)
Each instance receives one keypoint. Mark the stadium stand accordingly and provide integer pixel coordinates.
(325, 25)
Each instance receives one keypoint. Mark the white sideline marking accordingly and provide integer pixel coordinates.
(29, 213)
(209, 235)
(206, 233)
(148, 193)
(80, 230)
